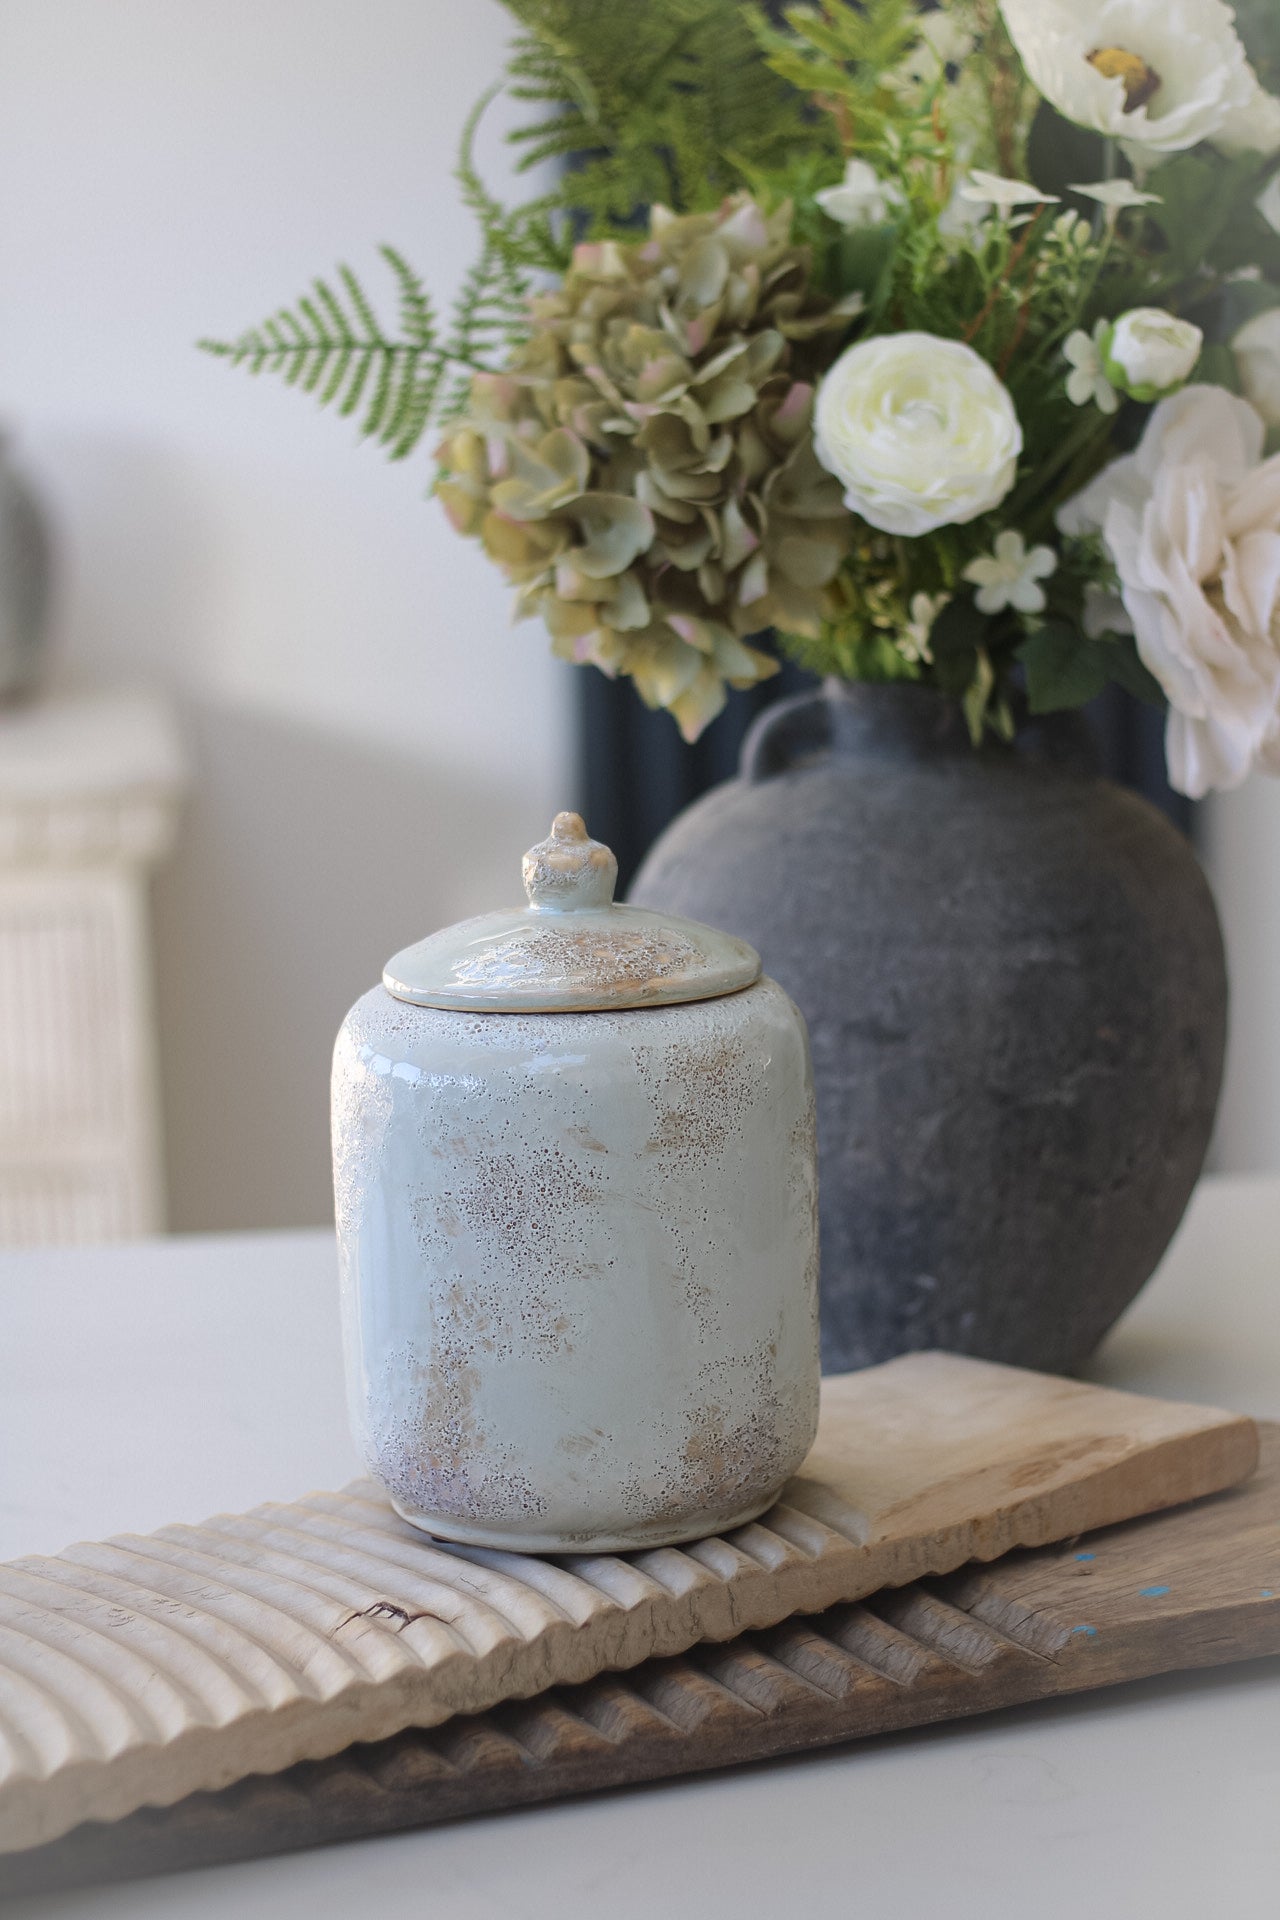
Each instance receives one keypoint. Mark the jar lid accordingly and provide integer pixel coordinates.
(571, 948)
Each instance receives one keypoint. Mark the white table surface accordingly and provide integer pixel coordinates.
(165, 1381)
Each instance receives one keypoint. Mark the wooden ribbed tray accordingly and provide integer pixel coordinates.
(137, 1670)
(1191, 1588)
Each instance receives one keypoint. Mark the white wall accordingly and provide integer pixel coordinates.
(374, 745)
(1240, 844)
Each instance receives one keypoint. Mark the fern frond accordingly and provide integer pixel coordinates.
(668, 100)
(523, 237)
(331, 343)
(664, 101)
(839, 55)
(417, 319)
(363, 312)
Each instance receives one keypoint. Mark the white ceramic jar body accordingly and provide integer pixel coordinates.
(579, 1264)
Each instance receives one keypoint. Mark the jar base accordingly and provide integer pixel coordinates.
(661, 1531)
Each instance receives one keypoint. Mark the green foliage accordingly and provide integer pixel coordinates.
(1202, 196)
(1064, 668)
(851, 654)
(840, 56)
(957, 634)
(667, 101)
(1258, 23)
(682, 103)
(331, 343)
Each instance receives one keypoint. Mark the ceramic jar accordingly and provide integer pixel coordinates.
(574, 1165)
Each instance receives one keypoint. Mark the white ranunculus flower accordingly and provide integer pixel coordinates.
(1148, 352)
(862, 198)
(920, 431)
(1161, 75)
(1257, 350)
(1192, 522)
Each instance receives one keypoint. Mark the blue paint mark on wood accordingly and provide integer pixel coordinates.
(1154, 1592)
(1267, 1593)
(1086, 1556)
(1084, 1629)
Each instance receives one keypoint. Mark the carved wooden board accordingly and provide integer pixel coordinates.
(141, 1669)
(1191, 1588)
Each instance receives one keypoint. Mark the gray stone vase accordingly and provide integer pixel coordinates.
(24, 583)
(1013, 977)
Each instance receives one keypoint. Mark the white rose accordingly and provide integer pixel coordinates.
(1268, 203)
(920, 431)
(1161, 77)
(862, 199)
(1192, 523)
(1148, 352)
(1257, 351)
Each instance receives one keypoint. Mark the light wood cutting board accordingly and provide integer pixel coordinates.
(139, 1670)
(1191, 1588)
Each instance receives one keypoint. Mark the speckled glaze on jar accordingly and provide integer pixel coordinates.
(579, 1251)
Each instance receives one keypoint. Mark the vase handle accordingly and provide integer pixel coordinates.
(792, 730)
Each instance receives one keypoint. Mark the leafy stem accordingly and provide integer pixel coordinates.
(1031, 505)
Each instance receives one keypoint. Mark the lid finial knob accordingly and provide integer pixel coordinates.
(569, 871)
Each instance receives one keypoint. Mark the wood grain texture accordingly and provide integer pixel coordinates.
(138, 1670)
(1192, 1588)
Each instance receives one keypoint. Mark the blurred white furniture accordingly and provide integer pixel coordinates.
(1156, 1799)
(90, 785)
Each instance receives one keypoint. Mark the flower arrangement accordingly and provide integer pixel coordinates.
(936, 343)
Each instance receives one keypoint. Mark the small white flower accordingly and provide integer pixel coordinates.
(1148, 352)
(1268, 202)
(960, 219)
(1257, 350)
(1087, 380)
(1118, 194)
(1071, 230)
(862, 198)
(946, 39)
(925, 608)
(1160, 75)
(1008, 576)
(943, 42)
(985, 189)
(920, 430)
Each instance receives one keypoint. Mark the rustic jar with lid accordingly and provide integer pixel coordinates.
(575, 1177)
